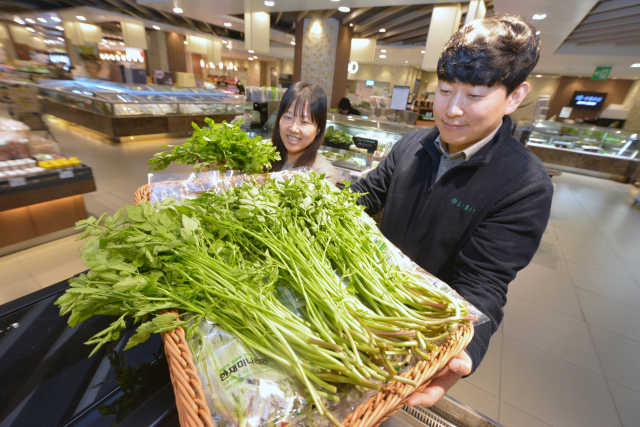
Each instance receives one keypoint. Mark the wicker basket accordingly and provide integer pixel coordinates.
(194, 412)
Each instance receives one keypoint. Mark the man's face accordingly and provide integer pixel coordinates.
(466, 114)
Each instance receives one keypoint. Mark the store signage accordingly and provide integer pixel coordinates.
(588, 100)
(66, 174)
(566, 112)
(17, 182)
(601, 73)
(371, 145)
(400, 97)
(353, 67)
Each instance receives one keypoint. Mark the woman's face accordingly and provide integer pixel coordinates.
(297, 132)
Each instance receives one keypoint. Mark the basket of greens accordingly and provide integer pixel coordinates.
(299, 280)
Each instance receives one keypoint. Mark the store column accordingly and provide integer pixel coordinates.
(318, 54)
(633, 103)
(157, 56)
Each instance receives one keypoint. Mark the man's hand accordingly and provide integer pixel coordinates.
(456, 369)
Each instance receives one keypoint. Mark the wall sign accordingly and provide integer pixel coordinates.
(353, 67)
(601, 73)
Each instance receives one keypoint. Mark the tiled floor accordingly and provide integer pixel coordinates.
(568, 352)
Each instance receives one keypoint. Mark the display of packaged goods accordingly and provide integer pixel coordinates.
(585, 138)
(121, 100)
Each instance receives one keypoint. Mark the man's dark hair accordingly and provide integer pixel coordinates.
(497, 50)
(344, 104)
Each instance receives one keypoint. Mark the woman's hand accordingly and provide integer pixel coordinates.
(456, 369)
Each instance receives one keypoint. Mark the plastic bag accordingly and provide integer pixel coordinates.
(241, 385)
(189, 185)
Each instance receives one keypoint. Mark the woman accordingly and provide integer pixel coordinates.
(299, 130)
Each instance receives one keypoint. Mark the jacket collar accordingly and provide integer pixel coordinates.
(484, 155)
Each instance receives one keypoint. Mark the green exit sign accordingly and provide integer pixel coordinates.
(601, 73)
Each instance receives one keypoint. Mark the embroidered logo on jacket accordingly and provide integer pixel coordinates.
(462, 205)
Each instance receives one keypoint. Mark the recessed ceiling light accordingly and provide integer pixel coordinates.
(31, 21)
(121, 44)
(224, 41)
(269, 3)
(186, 42)
(255, 57)
(81, 18)
(250, 58)
(177, 10)
(539, 16)
(61, 39)
(538, 75)
(19, 21)
(293, 42)
(221, 65)
(112, 43)
(382, 30)
(227, 24)
(33, 31)
(383, 56)
(42, 20)
(335, 0)
(636, 65)
(344, 9)
(55, 19)
(383, 51)
(155, 27)
(59, 28)
(422, 51)
(250, 51)
(406, 62)
(351, 25)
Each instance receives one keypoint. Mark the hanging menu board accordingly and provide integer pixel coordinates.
(400, 97)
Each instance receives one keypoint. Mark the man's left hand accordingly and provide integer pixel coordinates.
(451, 374)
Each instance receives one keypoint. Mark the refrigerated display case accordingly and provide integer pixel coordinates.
(123, 111)
(348, 161)
(606, 152)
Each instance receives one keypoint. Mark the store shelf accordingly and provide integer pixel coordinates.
(45, 187)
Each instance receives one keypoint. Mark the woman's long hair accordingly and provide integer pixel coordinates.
(302, 94)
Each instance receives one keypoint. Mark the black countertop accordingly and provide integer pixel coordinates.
(47, 378)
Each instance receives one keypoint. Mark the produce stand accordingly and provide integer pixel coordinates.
(50, 380)
(127, 112)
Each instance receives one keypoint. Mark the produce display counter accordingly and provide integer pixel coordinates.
(38, 205)
(50, 380)
(606, 152)
(121, 112)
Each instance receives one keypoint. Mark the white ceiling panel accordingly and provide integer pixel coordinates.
(205, 10)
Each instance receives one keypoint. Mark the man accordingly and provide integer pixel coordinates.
(344, 106)
(464, 199)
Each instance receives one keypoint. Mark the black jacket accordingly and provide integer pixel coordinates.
(475, 228)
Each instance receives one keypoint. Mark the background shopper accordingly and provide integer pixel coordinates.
(299, 130)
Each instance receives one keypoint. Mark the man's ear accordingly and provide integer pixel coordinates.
(516, 97)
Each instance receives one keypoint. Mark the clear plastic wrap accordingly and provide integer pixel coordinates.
(242, 387)
(188, 185)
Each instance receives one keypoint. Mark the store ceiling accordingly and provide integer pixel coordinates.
(577, 35)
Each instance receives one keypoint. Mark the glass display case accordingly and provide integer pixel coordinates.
(122, 100)
(584, 138)
(339, 147)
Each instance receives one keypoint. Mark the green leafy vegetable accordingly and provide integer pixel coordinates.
(337, 136)
(223, 146)
(222, 257)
